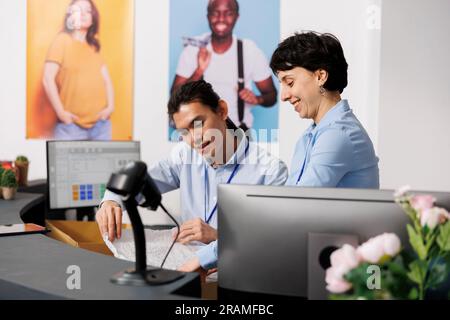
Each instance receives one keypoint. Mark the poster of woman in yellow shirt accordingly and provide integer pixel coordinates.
(76, 96)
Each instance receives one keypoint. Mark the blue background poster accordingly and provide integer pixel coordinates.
(258, 21)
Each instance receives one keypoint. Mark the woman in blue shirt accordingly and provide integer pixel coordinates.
(335, 151)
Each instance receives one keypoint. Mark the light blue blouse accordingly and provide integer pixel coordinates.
(337, 152)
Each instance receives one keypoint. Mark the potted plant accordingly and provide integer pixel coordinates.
(1, 174)
(9, 184)
(21, 164)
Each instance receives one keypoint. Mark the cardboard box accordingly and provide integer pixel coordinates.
(80, 234)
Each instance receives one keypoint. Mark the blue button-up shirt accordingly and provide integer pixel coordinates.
(337, 152)
(188, 171)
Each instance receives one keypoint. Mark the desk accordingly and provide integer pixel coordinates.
(11, 210)
(34, 267)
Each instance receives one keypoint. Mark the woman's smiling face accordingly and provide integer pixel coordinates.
(301, 88)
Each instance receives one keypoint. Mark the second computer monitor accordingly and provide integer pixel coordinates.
(78, 171)
(272, 239)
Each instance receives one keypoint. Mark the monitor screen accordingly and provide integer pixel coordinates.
(78, 171)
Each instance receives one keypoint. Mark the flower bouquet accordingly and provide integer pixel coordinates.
(381, 269)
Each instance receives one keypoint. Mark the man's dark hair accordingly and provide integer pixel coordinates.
(210, 2)
(195, 91)
(313, 51)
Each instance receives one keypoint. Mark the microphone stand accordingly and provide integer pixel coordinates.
(130, 181)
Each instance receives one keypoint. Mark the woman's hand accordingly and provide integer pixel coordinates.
(196, 230)
(66, 117)
(105, 114)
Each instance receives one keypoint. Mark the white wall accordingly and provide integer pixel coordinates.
(414, 116)
(347, 19)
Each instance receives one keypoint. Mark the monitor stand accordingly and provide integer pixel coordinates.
(88, 211)
(141, 275)
(320, 247)
(151, 277)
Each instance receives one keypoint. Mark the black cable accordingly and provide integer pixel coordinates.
(175, 240)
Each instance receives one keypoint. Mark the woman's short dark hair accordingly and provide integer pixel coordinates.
(195, 91)
(313, 51)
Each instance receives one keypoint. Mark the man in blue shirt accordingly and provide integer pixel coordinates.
(215, 151)
(335, 151)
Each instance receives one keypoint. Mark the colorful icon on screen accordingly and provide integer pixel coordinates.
(84, 192)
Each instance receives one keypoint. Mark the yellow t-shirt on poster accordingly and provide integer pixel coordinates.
(80, 82)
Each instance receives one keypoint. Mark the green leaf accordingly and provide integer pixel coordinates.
(443, 238)
(358, 278)
(341, 297)
(418, 270)
(412, 214)
(446, 257)
(413, 294)
(416, 242)
(437, 275)
(395, 267)
(430, 244)
(434, 252)
(426, 230)
(395, 279)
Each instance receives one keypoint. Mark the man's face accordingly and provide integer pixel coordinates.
(222, 16)
(202, 128)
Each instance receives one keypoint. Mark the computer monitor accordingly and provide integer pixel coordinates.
(78, 171)
(272, 240)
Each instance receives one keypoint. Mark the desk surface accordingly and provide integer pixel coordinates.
(35, 267)
(11, 210)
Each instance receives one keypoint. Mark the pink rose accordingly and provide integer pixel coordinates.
(335, 281)
(433, 216)
(386, 244)
(400, 192)
(371, 251)
(342, 261)
(422, 202)
(391, 244)
(345, 258)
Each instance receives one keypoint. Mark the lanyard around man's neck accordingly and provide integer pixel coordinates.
(233, 173)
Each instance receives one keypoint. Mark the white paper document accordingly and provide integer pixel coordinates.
(157, 244)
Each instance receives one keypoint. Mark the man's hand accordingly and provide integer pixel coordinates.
(249, 97)
(66, 117)
(193, 265)
(196, 230)
(203, 59)
(190, 266)
(109, 220)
